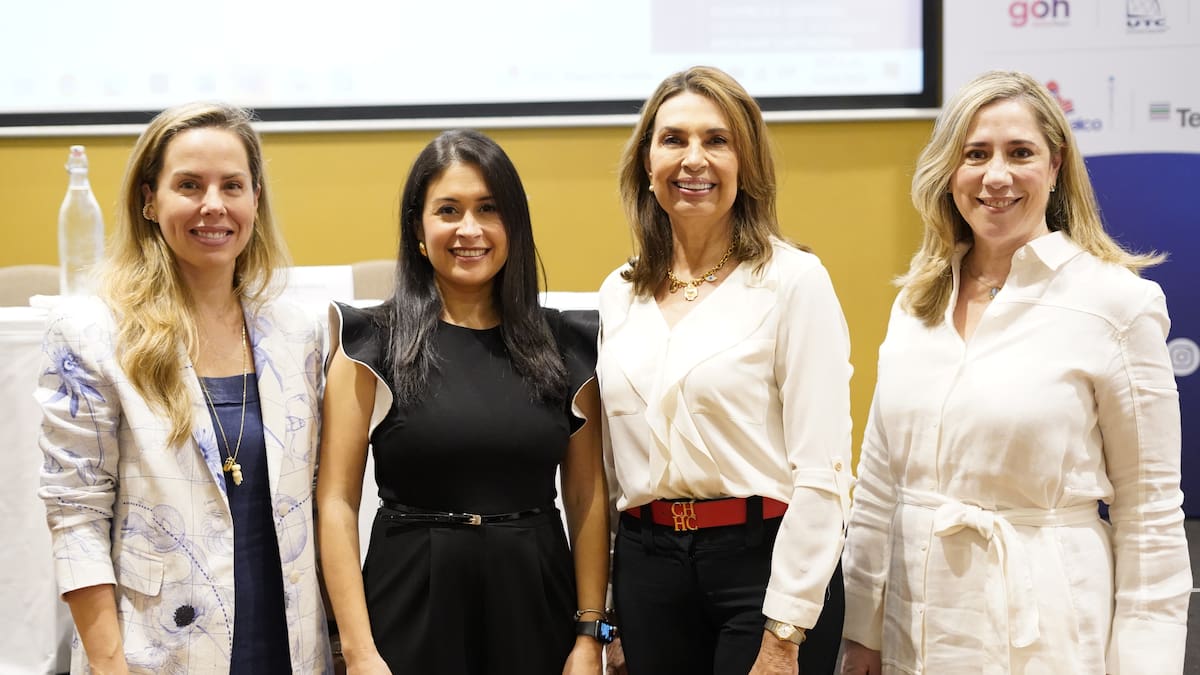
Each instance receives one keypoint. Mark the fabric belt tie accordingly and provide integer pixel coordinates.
(997, 527)
(685, 515)
(408, 514)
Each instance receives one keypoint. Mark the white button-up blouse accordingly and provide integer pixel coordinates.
(748, 394)
(974, 543)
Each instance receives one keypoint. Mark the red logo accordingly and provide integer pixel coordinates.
(1064, 103)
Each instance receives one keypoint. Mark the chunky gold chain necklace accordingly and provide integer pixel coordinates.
(692, 288)
(231, 465)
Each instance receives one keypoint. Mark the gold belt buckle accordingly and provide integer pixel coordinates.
(684, 515)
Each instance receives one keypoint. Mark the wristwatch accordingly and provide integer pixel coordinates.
(603, 631)
(785, 631)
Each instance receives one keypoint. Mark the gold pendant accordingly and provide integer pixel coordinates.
(237, 474)
(228, 465)
(691, 293)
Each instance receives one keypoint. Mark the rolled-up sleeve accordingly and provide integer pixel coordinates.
(812, 368)
(78, 439)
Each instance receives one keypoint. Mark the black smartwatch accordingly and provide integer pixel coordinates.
(603, 631)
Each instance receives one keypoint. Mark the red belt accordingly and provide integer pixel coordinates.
(693, 515)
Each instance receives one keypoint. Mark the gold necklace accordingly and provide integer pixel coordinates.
(231, 465)
(692, 288)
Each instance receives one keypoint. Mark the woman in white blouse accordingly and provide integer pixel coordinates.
(724, 375)
(1024, 378)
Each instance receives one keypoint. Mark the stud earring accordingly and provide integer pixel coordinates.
(1053, 188)
(421, 247)
(146, 213)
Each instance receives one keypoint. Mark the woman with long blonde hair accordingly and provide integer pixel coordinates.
(180, 423)
(1024, 379)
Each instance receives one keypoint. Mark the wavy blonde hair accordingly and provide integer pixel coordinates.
(755, 223)
(1072, 208)
(153, 310)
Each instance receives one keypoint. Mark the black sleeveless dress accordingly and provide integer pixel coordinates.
(451, 599)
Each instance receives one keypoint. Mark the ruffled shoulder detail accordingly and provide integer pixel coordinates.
(362, 333)
(575, 332)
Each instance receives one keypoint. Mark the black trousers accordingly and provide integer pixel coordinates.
(690, 603)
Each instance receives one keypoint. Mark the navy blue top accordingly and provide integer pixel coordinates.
(260, 639)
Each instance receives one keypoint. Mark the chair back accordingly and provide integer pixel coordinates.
(19, 282)
(374, 279)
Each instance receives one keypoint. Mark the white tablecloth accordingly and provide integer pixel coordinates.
(36, 624)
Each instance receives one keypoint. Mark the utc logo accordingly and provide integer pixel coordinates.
(1144, 16)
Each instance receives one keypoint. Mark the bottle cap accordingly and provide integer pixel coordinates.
(77, 159)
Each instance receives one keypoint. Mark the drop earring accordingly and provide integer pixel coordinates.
(422, 249)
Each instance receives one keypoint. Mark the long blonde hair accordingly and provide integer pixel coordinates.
(141, 283)
(1072, 207)
(755, 223)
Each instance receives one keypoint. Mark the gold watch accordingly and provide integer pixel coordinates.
(785, 631)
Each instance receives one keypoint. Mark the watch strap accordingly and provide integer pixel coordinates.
(602, 631)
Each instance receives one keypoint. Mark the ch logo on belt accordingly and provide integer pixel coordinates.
(684, 515)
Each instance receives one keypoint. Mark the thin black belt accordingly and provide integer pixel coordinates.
(408, 514)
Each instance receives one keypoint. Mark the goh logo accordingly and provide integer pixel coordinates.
(1144, 16)
(1078, 123)
(1039, 12)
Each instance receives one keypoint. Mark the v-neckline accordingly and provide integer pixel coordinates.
(697, 304)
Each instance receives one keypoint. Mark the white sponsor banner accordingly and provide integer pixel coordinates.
(1127, 72)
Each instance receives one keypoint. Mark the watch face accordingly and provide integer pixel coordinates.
(607, 632)
(785, 631)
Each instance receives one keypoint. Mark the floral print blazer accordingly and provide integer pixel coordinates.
(126, 508)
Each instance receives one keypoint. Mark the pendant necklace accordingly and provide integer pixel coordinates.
(992, 289)
(692, 288)
(231, 465)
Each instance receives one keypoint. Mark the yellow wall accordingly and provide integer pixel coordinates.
(843, 190)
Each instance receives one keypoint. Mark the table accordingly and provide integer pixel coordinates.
(36, 630)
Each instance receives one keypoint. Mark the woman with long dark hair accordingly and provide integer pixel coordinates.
(471, 396)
